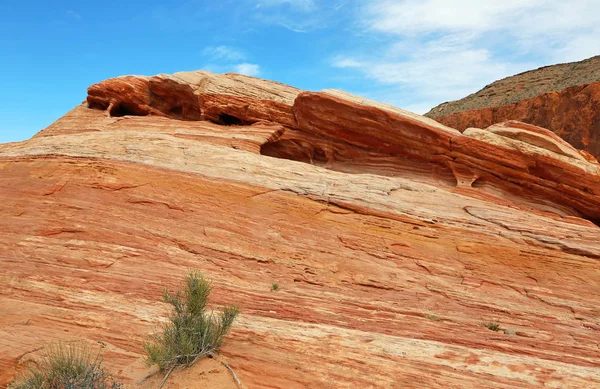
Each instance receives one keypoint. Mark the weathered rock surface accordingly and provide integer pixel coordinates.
(221, 98)
(392, 237)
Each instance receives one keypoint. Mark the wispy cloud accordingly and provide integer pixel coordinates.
(248, 69)
(302, 16)
(229, 59)
(429, 72)
(302, 5)
(432, 51)
(217, 53)
(72, 14)
(294, 15)
(425, 16)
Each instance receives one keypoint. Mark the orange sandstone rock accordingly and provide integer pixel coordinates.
(391, 237)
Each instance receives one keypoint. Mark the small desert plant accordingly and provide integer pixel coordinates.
(275, 287)
(191, 331)
(67, 366)
(492, 325)
(433, 317)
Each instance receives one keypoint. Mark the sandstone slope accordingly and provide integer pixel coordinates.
(392, 237)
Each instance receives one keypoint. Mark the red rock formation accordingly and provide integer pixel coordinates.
(144, 96)
(572, 114)
(391, 244)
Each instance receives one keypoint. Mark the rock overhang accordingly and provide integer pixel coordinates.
(333, 128)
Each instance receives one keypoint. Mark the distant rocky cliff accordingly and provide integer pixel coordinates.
(563, 98)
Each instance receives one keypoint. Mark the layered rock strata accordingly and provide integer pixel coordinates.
(392, 237)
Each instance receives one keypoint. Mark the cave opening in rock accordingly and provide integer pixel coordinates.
(286, 149)
(229, 120)
(176, 112)
(124, 109)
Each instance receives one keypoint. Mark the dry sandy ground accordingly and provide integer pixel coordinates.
(207, 373)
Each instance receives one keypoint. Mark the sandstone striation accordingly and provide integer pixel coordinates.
(392, 237)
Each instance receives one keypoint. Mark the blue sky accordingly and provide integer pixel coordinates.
(411, 53)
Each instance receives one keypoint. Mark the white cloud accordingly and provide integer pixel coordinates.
(248, 69)
(432, 74)
(342, 62)
(227, 53)
(224, 58)
(435, 50)
(423, 16)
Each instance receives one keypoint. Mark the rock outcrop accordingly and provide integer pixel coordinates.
(563, 98)
(392, 237)
(573, 114)
(523, 86)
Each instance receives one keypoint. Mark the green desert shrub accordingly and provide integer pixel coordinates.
(192, 331)
(492, 325)
(67, 366)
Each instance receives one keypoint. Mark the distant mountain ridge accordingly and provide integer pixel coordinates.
(524, 86)
(563, 98)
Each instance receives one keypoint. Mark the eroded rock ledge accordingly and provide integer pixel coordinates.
(347, 133)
